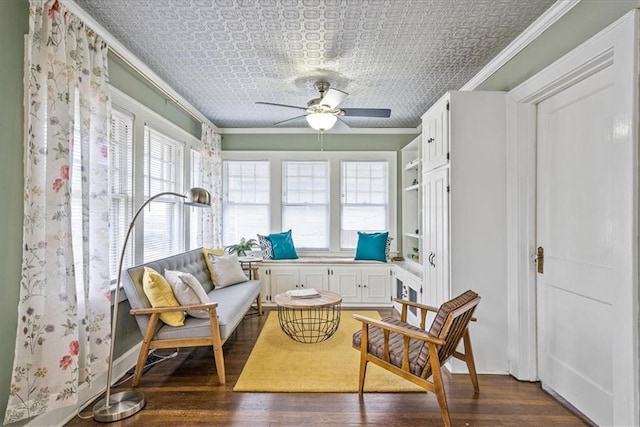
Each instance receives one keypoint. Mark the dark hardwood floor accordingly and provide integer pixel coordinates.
(184, 391)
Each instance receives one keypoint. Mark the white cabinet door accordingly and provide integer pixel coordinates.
(435, 136)
(283, 279)
(376, 285)
(436, 228)
(408, 287)
(314, 277)
(346, 282)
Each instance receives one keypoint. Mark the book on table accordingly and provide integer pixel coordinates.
(303, 293)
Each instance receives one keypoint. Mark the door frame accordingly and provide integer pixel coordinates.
(617, 46)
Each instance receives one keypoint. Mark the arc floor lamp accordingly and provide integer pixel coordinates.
(126, 403)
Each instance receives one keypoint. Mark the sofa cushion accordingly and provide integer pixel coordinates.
(228, 271)
(233, 303)
(160, 294)
(209, 257)
(188, 291)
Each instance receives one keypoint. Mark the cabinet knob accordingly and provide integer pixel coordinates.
(430, 140)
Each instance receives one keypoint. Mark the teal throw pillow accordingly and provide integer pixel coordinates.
(282, 245)
(371, 246)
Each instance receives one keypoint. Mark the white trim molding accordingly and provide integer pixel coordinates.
(307, 130)
(544, 21)
(617, 46)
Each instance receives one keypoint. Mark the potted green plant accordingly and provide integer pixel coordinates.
(242, 247)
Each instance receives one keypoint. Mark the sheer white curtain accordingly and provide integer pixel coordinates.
(64, 313)
(211, 179)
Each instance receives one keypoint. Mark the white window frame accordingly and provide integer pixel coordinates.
(144, 116)
(307, 204)
(170, 155)
(334, 157)
(344, 203)
(124, 196)
(225, 200)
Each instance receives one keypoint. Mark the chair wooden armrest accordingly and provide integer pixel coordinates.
(410, 333)
(151, 310)
(424, 309)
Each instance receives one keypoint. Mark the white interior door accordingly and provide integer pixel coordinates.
(575, 228)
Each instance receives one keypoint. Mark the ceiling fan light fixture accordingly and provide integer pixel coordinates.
(321, 121)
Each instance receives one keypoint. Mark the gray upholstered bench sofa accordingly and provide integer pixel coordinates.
(227, 307)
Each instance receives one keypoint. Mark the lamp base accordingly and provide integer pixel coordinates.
(122, 405)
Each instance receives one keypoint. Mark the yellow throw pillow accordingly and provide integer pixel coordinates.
(209, 257)
(157, 289)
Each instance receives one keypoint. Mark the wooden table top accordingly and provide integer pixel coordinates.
(326, 299)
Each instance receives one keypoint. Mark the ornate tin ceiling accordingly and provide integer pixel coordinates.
(223, 55)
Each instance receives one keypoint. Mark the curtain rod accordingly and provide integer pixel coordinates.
(154, 84)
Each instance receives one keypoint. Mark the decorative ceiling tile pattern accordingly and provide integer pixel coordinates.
(223, 55)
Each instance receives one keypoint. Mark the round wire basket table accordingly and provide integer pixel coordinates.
(309, 320)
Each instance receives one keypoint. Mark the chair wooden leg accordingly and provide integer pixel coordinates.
(144, 350)
(439, 385)
(363, 358)
(471, 364)
(218, 356)
(259, 304)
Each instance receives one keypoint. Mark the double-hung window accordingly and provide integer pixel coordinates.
(246, 195)
(121, 187)
(364, 199)
(163, 171)
(305, 202)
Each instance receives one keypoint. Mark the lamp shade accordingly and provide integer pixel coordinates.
(198, 197)
(321, 121)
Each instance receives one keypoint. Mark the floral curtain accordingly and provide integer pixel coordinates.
(63, 332)
(211, 179)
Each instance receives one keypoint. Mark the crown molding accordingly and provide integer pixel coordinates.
(544, 21)
(352, 131)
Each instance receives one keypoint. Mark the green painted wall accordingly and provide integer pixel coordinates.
(14, 24)
(124, 78)
(309, 142)
(583, 21)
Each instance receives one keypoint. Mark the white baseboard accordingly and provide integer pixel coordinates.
(86, 395)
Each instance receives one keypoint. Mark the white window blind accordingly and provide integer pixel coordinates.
(121, 187)
(364, 199)
(245, 210)
(305, 202)
(163, 171)
(195, 214)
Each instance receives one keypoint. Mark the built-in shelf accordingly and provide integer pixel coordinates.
(413, 235)
(412, 164)
(413, 187)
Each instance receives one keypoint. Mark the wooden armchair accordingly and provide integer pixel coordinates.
(415, 353)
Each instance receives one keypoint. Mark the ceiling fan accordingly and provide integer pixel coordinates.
(323, 112)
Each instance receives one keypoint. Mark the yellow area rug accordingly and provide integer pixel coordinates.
(279, 364)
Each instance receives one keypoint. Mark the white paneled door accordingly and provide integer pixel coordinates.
(575, 218)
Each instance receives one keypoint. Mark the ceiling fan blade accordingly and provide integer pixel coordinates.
(340, 125)
(288, 120)
(333, 98)
(281, 105)
(367, 112)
